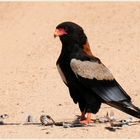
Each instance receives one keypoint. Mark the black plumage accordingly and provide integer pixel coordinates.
(90, 83)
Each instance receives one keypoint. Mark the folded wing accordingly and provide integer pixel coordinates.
(96, 76)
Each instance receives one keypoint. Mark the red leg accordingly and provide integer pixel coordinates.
(87, 120)
(83, 117)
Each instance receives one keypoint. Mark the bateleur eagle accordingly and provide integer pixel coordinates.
(89, 81)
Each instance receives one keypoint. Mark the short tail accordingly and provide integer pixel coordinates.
(126, 107)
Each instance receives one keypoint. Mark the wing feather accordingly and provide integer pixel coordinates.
(99, 79)
(90, 70)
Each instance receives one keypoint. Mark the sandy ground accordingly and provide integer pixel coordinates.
(29, 81)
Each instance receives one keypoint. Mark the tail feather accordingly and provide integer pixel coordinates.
(126, 107)
(136, 108)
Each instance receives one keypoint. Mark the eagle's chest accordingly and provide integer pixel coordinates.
(61, 72)
(63, 66)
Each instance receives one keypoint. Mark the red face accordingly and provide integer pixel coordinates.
(59, 32)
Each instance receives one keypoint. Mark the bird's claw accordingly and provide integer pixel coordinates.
(86, 121)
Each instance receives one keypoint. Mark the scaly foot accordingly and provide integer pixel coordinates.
(87, 120)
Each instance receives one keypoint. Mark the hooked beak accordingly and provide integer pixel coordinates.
(59, 32)
(56, 33)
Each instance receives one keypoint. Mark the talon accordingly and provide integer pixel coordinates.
(85, 120)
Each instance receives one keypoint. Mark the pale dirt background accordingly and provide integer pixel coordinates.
(29, 81)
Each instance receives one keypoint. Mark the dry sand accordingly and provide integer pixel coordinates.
(29, 81)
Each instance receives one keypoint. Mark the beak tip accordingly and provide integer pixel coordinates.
(54, 36)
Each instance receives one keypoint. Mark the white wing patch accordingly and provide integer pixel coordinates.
(61, 74)
(90, 70)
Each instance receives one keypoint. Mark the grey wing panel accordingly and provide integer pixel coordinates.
(90, 70)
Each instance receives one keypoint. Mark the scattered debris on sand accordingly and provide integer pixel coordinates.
(2, 118)
(46, 120)
(110, 119)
